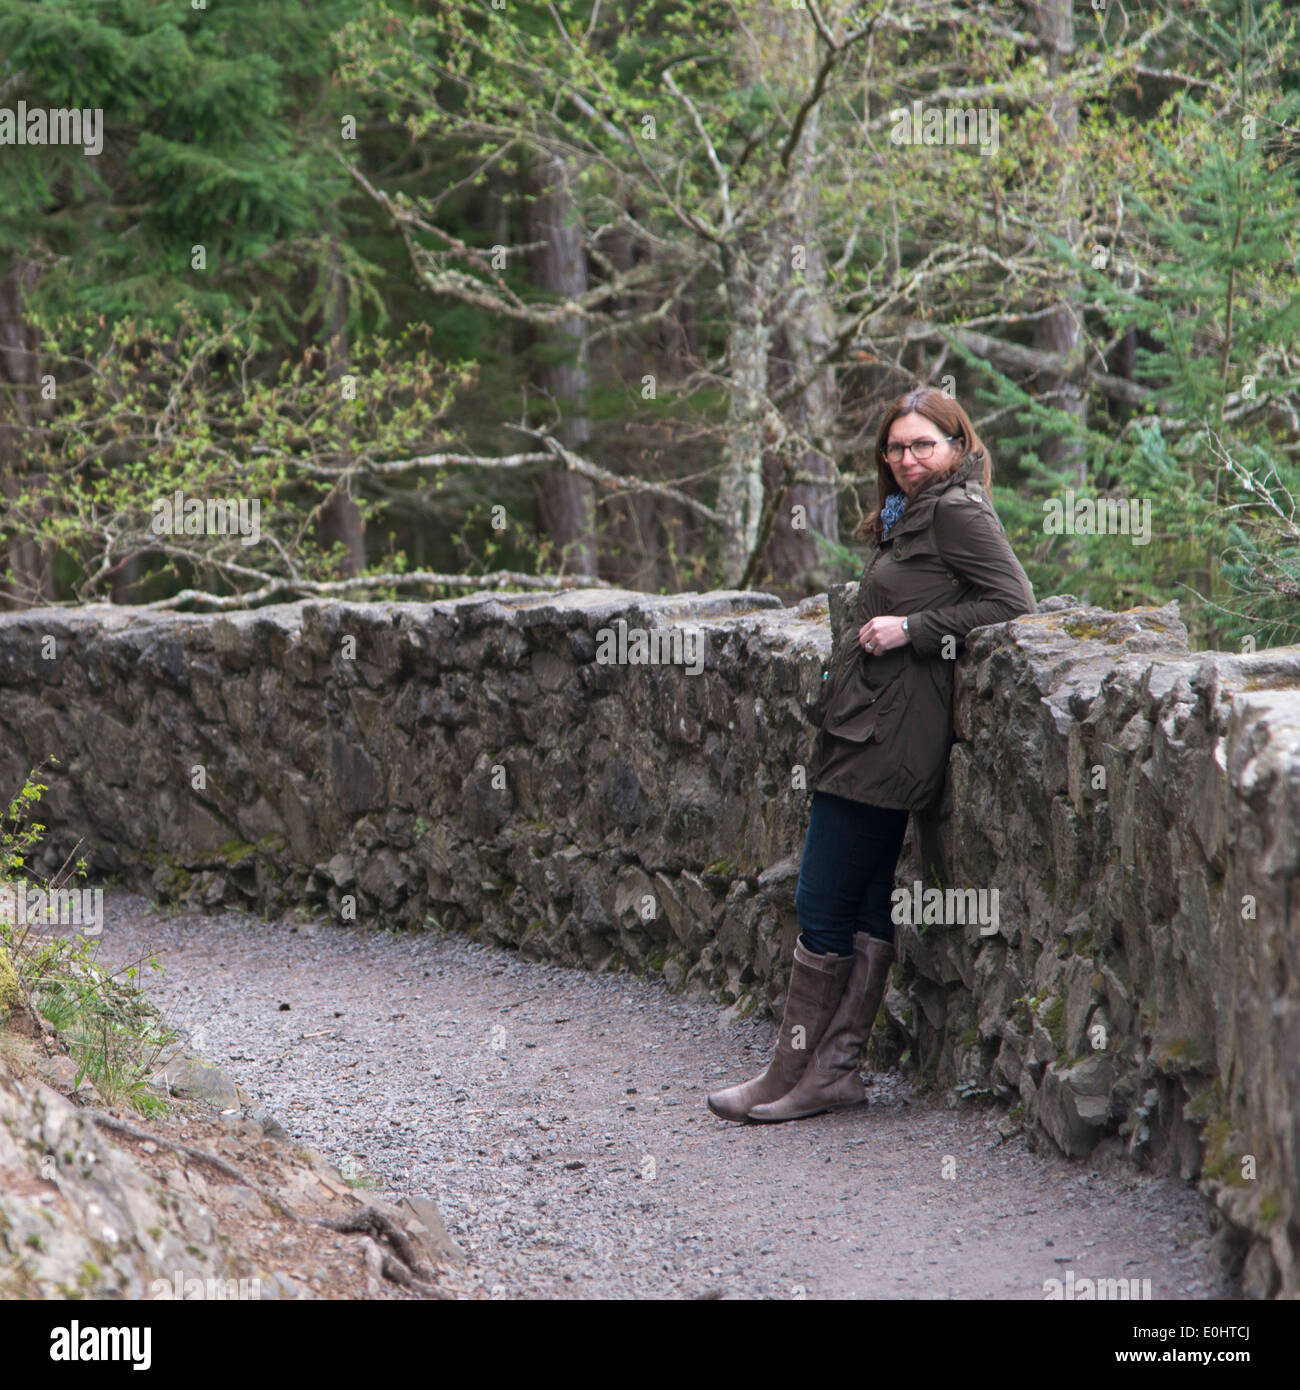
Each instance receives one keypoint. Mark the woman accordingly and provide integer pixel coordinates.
(940, 566)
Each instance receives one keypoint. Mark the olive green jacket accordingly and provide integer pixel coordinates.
(885, 721)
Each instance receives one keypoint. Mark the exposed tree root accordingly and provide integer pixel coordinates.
(401, 1264)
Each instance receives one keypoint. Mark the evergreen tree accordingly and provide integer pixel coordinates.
(1203, 274)
(218, 178)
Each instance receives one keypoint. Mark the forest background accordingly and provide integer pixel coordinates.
(531, 295)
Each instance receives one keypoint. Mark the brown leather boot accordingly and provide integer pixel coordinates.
(816, 983)
(831, 1081)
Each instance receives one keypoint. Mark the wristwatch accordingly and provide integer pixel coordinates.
(905, 628)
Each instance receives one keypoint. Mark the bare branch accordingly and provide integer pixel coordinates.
(603, 476)
(309, 588)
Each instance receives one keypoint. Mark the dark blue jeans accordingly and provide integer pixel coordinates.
(846, 877)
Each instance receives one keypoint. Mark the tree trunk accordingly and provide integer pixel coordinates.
(33, 579)
(340, 517)
(740, 492)
(566, 502)
(1060, 331)
(779, 322)
(792, 560)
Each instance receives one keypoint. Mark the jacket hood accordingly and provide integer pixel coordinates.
(970, 465)
(916, 513)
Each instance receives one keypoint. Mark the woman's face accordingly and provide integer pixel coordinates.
(909, 471)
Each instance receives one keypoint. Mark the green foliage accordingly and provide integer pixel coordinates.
(19, 834)
(674, 124)
(220, 129)
(146, 413)
(1205, 276)
(114, 1034)
(846, 563)
(1053, 1019)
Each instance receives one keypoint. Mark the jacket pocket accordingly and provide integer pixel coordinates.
(846, 647)
(861, 707)
(829, 682)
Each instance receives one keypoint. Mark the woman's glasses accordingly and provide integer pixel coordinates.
(921, 448)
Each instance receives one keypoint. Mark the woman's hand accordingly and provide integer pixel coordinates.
(882, 635)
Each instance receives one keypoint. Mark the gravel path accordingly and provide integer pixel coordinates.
(558, 1119)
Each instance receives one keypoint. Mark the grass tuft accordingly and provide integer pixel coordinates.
(113, 1033)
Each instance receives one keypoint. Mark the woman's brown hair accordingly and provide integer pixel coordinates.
(949, 418)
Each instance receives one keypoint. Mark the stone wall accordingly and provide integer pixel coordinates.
(476, 764)
(1136, 805)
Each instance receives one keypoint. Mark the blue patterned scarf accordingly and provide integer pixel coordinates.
(892, 510)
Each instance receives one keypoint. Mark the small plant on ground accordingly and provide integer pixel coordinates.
(114, 1034)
